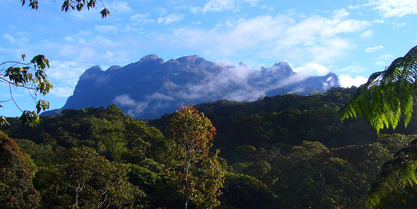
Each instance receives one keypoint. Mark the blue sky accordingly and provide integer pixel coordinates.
(351, 38)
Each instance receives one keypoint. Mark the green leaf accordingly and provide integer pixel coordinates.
(387, 96)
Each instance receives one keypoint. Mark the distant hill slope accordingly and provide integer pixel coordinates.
(151, 87)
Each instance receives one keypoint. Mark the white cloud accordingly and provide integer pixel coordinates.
(161, 11)
(380, 63)
(108, 55)
(354, 7)
(313, 39)
(312, 69)
(172, 18)
(394, 8)
(346, 80)
(119, 6)
(69, 38)
(159, 96)
(253, 3)
(266, 7)
(340, 14)
(386, 56)
(367, 34)
(353, 69)
(66, 72)
(215, 6)
(9, 38)
(125, 100)
(141, 18)
(138, 107)
(372, 49)
(106, 29)
(64, 76)
(62, 91)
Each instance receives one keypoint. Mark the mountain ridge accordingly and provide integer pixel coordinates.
(152, 87)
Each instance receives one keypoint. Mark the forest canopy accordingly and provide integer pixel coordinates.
(286, 151)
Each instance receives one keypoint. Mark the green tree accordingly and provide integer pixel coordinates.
(192, 134)
(386, 99)
(243, 191)
(85, 179)
(30, 76)
(16, 187)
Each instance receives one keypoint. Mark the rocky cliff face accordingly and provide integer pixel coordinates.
(151, 87)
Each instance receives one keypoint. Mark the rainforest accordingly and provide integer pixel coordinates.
(285, 151)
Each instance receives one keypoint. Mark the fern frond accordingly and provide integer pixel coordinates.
(387, 96)
(396, 176)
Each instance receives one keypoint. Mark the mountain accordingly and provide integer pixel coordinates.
(151, 87)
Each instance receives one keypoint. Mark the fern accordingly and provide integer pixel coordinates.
(384, 99)
(396, 178)
(387, 95)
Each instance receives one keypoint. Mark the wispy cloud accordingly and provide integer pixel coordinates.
(161, 11)
(141, 18)
(9, 38)
(136, 107)
(253, 3)
(380, 63)
(106, 29)
(367, 33)
(172, 18)
(67, 73)
(267, 8)
(372, 49)
(314, 38)
(352, 69)
(394, 8)
(354, 7)
(119, 7)
(386, 56)
(215, 6)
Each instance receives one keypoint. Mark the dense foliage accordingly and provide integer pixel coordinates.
(16, 187)
(286, 151)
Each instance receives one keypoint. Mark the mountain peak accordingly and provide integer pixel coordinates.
(282, 64)
(114, 67)
(283, 68)
(190, 58)
(151, 57)
(91, 72)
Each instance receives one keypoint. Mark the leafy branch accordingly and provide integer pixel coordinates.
(30, 76)
(73, 4)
